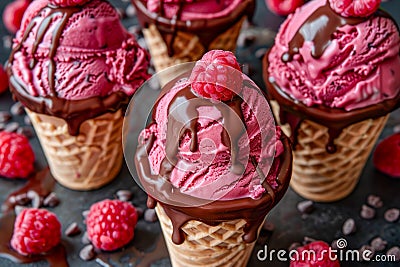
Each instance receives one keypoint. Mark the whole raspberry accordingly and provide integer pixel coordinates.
(355, 8)
(13, 13)
(283, 7)
(387, 156)
(111, 223)
(3, 80)
(67, 3)
(314, 254)
(217, 75)
(16, 155)
(36, 231)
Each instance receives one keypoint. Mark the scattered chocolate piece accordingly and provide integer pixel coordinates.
(11, 127)
(25, 130)
(85, 239)
(260, 52)
(130, 11)
(378, 244)
(17, 109)
(85, 213)
(268, 226)
(150, 215)
(51, 200)
(308, 240)
(392, 215)
(306, 206)
(367, 212)
(73, 230)
(394, 251)
(4, 116)
(124, 195)
(36, 199)
(294, 246)
(27, 120)
(366, 253)
(374, 201)
(349, 226)
(87, 253)
(139, 212)
(18, 209)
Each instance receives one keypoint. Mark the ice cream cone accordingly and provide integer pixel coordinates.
(205, 245)
(187, 46)
(322, 176)
(87, 161)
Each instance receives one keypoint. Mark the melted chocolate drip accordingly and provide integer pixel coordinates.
(318, 28)
(74, 112)
(42, 183)
(169, 27)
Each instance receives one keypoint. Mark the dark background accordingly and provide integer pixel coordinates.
(323, 224)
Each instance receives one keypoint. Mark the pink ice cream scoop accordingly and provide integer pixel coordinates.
(76, 50)
(339, 60)
(209, 148)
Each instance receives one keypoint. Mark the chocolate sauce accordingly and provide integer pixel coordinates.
(169, 27)
(318, 28)
(42, 183)
(74, 112)
(335, 119)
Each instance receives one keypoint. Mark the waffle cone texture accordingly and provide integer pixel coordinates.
(324, 177)
(207, 246)
(87, 161)
(187, 46)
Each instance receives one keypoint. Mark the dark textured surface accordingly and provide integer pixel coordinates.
(324, 223)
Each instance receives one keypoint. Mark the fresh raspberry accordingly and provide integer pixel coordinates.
(16, 155)
(3, 80)
(387, 156)
(314, 254)
(111, 223)
(283, 7)
(13, 13)
(355, 8)
(217, 75)
(66, 3)
(36, 231)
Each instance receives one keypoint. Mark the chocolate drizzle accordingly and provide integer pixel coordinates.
(253, 211)
(169, 27)
(74, 112)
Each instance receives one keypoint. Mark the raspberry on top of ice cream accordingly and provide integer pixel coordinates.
(321, 57)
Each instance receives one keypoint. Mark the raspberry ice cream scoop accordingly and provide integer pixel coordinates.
(337, 54)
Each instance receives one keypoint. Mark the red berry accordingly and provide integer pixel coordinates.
(13, 13)
(387, 156)
(314, 254)
(217, 75)
(66, 3)
(111, 224)
(16, 155)
(3, 80)
(355, 8)
(36, 231)
(283, 7)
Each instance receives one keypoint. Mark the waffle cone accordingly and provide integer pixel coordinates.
(321, 176)
(87, 161)
(207, 246)
(187, 46)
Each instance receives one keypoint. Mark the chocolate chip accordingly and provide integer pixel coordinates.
(18, 209)
(260, 52)
(268, 226)
(392, 215)
(27, 120)
(308, 240)
(4, 116)
(150, 215)
(87, 253)
(25, 130)
(51, 200)
(367, 212)
(378, 244)
(139, 212)
(374, 201)
(85, 239)
(124, 195)
(294, 246)
(349, 226)
(366, 253)
(395, 252)
(72, 230)
(17, 109)
(11, 127)
(305, 207)
(36, 200)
